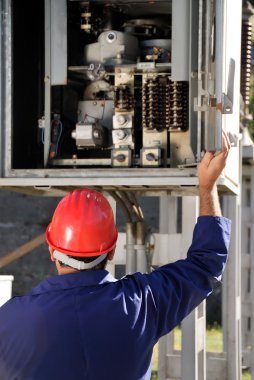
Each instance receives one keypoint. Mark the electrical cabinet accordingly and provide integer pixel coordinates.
(118, 94)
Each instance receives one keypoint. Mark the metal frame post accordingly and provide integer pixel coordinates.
(167, 225)
(252, 269)
(193, 326)
(232, 292)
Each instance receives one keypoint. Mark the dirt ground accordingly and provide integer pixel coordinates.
(23, 217)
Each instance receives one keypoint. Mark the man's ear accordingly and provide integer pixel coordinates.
(51, 251)
(111, 254)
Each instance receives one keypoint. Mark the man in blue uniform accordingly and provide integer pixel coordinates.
(85, 324)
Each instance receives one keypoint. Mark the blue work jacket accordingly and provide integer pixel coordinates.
(90, 326)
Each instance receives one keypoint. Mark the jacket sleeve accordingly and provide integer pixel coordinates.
(174, 290)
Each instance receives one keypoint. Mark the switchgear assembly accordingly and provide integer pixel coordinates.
(117, 93)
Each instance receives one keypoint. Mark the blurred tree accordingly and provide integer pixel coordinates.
(250, 123)
(247, 73)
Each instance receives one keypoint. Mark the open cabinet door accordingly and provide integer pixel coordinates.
(231, 70)
(219, 77)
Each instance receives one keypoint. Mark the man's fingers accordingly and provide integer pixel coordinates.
(209, 155)
(207, 158)
(226, 145)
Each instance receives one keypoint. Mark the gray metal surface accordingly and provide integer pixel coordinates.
(180, 39)
(6, 80)
(47, 81)
(58, 45)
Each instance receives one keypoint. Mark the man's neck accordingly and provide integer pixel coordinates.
(65, 270)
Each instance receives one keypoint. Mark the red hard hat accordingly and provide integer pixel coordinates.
(82, 225)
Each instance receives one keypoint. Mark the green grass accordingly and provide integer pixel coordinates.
(214, 343)
(246, 375)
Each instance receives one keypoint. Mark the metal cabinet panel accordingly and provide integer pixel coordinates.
(106, 90)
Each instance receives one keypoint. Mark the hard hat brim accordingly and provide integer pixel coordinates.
(80, 253)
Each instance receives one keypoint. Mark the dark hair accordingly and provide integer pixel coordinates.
(101, 265)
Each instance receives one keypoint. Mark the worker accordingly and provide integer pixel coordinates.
(83, 324)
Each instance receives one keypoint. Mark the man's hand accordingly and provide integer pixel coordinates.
(209, 170)
(212, 165)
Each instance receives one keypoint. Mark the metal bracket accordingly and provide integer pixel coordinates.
(227, 100)
(207, 102)
(227, 105)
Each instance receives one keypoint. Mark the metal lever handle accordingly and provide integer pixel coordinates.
(227, 100)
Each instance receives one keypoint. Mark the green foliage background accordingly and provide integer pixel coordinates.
(250, 123)
(251, 110)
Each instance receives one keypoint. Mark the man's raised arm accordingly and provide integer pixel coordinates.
(209, 170)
